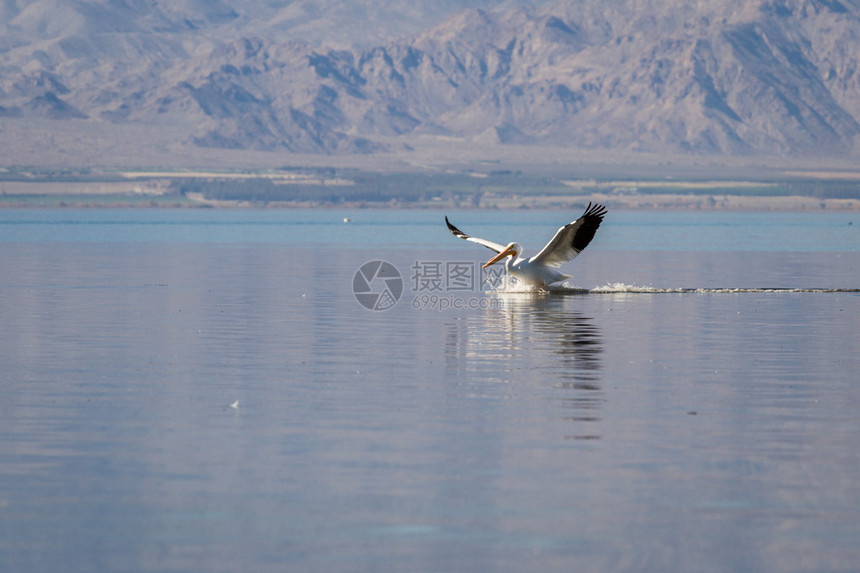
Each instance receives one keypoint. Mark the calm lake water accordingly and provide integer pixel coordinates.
(202, 391)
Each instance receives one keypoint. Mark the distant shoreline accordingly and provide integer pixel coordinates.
(319, 188)
(538, 202)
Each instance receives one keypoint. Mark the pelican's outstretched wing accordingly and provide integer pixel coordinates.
(572, 238)
(489, 244)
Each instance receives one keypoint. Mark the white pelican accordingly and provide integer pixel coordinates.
(541, 270)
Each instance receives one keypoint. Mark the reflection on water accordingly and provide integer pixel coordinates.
(422, 440)
(545, 344)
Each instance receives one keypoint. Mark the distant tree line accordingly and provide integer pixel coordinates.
(364, 187)
(413, 188)
(268, 191)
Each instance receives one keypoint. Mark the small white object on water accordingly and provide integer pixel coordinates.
(235, 405)
(346, 219)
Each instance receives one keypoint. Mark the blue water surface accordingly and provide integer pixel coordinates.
(629, 230)
(201, 390)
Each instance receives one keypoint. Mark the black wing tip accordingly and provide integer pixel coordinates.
(595, 210)
(588, 224)
(454, 230)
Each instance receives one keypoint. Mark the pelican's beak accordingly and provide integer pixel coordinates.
(509, 251)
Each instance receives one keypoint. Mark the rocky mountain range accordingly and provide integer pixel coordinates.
(757, 78)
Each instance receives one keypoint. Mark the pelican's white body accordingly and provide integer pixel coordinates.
(531, 273)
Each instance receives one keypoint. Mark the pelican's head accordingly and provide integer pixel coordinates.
(512, 250)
